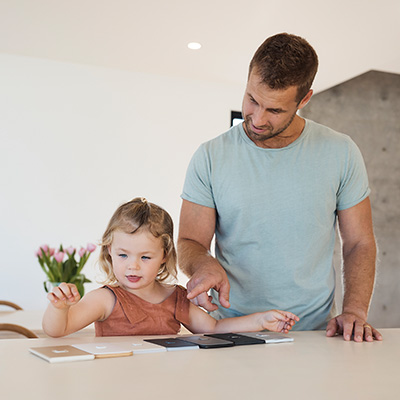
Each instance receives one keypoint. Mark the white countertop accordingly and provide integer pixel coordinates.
(311, 367)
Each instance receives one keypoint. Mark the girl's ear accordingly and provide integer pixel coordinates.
(164, 260)
(109, 249)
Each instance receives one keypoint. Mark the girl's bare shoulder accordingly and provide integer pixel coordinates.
(102, 298)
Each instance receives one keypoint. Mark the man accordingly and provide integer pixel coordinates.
(272, 190)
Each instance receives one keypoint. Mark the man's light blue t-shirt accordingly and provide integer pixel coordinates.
(276, 216)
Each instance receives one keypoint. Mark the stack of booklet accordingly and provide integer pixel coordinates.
(90, 351)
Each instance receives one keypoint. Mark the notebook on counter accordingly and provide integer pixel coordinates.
(237, 339)
(120, 349)
(269, 337)
(57, 354)
(173, 344)
(207, 342)
(140, 347)
(106, 350)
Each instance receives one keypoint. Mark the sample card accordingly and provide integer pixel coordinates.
(237, 339)
(269, 337)
(140, 347)
(56, 354)
(207, 342)
(172, 344)
(105, 350)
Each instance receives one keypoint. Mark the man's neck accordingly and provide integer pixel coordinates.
(285, 138)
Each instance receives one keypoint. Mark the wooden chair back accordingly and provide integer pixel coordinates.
(10, 304)
(18, 329)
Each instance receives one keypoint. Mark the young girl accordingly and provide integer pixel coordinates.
(138, 257)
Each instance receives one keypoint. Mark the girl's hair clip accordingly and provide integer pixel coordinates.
(143, 199)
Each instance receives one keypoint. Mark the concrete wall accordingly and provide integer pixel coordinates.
(367, 108)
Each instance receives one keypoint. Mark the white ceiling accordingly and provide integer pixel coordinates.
(350, 36)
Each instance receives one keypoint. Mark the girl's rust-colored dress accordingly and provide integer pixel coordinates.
(134, 316)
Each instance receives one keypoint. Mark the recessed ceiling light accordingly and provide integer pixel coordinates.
(194, 46)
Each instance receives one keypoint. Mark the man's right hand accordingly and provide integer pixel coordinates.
(206, 278)
(194, 258)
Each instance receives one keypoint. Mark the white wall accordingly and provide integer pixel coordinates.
(77, 141)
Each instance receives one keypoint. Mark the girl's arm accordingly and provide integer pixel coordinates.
(273, 320)
(67, 313)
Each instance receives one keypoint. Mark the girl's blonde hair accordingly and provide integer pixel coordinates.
(131, 217)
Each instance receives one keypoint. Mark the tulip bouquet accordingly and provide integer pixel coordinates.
(61, 266)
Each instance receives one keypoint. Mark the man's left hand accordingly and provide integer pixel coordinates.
(350, 325)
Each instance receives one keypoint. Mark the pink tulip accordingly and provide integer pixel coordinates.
(91, 247)
(38, 253)
(45, 247)
(69, 250)
(52, 251)
(59, 256)
(81, 252)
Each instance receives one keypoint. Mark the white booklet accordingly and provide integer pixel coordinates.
(56, 354)
(140, 347)
(119, 349)
(269, 337)
(105, 350)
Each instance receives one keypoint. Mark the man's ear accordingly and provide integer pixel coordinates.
(305, 99)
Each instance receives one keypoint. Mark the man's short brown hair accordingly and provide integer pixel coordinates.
(285, 60)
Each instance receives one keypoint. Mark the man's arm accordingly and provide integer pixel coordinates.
(359, 258)
(196, 230)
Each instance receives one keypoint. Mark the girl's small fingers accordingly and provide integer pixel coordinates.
(68, 290)
(295, 317)
(65, 289)
(74, 291)
(52, 298)
(58, 293)
(290, 315)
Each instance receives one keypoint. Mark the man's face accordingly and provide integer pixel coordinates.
(267, 112)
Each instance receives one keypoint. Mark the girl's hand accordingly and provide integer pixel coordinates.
(64, 296)
(278, 321)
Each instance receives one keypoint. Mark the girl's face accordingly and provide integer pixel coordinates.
(136, 259)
